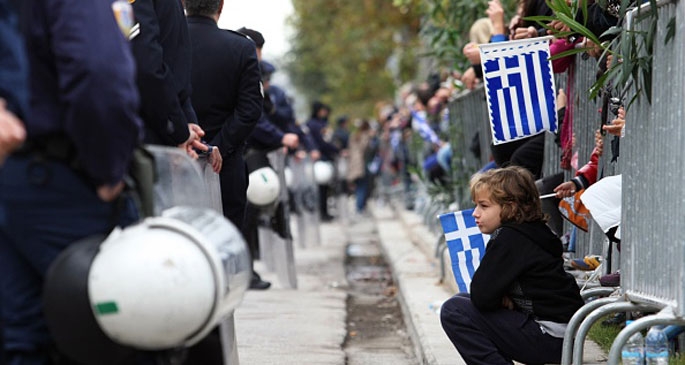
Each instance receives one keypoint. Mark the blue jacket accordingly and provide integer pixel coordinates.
(283, 116)
(163, 59)
(316, 127)
(265, 136)
(14, 85)
(82, 81)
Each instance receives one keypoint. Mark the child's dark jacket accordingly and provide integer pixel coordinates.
(524, 262)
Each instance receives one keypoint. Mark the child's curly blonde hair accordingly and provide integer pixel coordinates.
(514, 189)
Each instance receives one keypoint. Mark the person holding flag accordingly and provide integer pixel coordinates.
(521, 298)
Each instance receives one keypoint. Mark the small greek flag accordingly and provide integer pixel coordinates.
(466, 245)
(519, 85)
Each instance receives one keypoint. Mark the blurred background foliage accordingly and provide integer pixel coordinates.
(354, 53)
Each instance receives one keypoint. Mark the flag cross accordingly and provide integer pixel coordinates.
(466, 245)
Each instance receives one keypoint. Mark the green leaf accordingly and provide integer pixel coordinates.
(670, 30)
(613, 31)
(579, 28)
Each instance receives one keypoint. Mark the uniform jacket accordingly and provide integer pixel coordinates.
(524, 262)
(82, 80)
(316, 129)
(227, 83)
(163, 58)
(265, 136)
(283, 116)
(14, 85)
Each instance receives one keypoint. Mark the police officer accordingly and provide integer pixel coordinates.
(265, 138)
(161, 46)
(228, 96)
(317, 124)
(65, 182)
(228, 99)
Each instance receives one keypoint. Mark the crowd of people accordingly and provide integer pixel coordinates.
(73, 110)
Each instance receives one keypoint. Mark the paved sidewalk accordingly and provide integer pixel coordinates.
(302, 326)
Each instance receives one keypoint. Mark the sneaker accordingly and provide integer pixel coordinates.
(613, 279)
(587, 263)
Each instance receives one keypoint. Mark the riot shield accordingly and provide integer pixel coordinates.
(183, 181)
(341, 192)
(281, 250)
(306, 195)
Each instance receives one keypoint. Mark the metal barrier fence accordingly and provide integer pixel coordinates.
(652, 259)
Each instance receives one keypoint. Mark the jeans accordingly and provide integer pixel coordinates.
(361, 192)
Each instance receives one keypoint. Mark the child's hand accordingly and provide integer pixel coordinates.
(565, 189)
(507, 303)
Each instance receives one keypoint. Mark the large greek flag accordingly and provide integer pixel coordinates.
(519, 85)
(466, 245)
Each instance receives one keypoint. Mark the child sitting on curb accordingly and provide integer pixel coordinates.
(521, 298)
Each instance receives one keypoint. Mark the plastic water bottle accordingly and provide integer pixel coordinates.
(632, 352)
(656, 347)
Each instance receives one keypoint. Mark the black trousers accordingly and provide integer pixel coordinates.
(233, 180)
(323, 201)
(495, 338)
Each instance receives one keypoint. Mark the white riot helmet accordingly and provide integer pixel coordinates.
(264, 186)
(323, 172)
(163, 283)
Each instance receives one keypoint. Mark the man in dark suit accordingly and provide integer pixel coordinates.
(161, 46)
(228, 97)
(228, 101)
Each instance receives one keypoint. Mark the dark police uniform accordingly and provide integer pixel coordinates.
(161, 46)
(83, 98)
(283, 116)
(14, 86)
(328, 152)
(228, 101)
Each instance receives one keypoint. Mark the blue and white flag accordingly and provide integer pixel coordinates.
(519, 85)
(466, 245)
